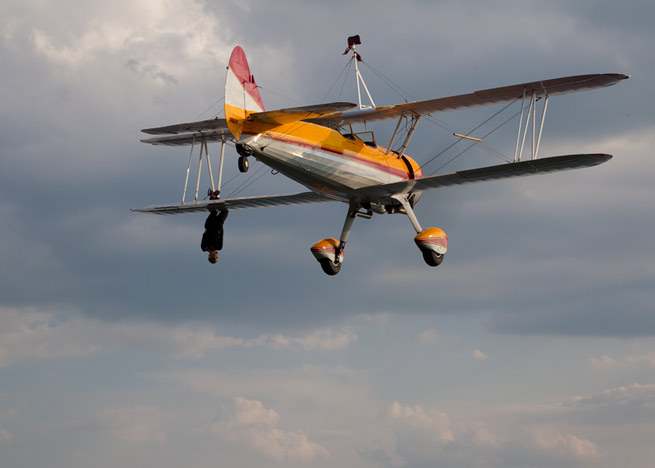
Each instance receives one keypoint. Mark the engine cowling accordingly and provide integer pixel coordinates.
(326, 249)
(432, 240)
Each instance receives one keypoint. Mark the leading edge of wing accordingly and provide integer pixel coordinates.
(238, 203)
(484, 174)
(486, 97)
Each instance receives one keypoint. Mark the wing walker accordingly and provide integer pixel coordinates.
(316, 146)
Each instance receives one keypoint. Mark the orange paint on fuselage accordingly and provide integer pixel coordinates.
(352, 149)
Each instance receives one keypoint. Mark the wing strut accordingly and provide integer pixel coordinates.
(188, 168)
(352, 42)
(215, 188)
(531, 114)
(415, 118)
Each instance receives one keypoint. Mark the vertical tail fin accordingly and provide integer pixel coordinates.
(241, 93)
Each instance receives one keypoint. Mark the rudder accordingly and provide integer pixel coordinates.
(241, 93)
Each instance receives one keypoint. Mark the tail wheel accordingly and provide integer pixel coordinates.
(329, 267)
(243, 164)
(432, 258)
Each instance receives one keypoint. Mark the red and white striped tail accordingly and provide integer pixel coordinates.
(241, 93)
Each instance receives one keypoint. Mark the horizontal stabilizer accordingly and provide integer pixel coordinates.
(237, 203)
(484, 174)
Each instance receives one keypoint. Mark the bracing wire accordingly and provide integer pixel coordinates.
(349, 65)
(279, 95)
(207, 110)
(468, 133)
(343, 71)
(475, 143)
(394, 87)
(249, 181)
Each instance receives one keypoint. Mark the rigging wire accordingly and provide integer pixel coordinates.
(207, 110)
(349, 65)
(440, 123)
(394, 87)
(400, 90)
(279, 95)
(248, 182)
(345, 68)
(468, 133)
(475, 143)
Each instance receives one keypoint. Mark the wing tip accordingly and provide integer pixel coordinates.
(600, 157)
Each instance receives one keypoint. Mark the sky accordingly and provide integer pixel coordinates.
(532, 345)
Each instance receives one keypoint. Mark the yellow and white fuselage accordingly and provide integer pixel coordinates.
(316, 156)
(325, 160)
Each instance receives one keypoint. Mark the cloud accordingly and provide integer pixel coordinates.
(156, 35)
(325, 339)
(27, 333)
(429, 337)
(479, 355)
(415, 418)
(566, 445)
(134, 424)
(250, 424)
(631, 399)
(32, 334)
(5, 435)
(640, 361)
(423, 435)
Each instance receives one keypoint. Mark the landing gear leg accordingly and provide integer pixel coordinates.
(404, 201)
(432, 242)
(345, 232)
(329, 252)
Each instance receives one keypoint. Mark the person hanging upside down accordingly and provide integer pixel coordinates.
(212, 239)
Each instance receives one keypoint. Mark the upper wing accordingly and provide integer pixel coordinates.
(215, 130)
(483, 174)
(189, 127)
(189, 133)
(505, 94)
(295, 114)
(238, 203)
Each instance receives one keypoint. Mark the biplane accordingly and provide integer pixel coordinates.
(317, 147)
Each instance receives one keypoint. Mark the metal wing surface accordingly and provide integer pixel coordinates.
(505, 94)
(238, 203)
(484, 174)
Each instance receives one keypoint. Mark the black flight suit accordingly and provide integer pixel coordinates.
(212, 239)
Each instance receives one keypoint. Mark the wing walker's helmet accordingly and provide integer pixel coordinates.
(213, 256)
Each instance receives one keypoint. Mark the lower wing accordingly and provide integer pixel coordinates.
(238, 203)
(385, 191)
(483, 174)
